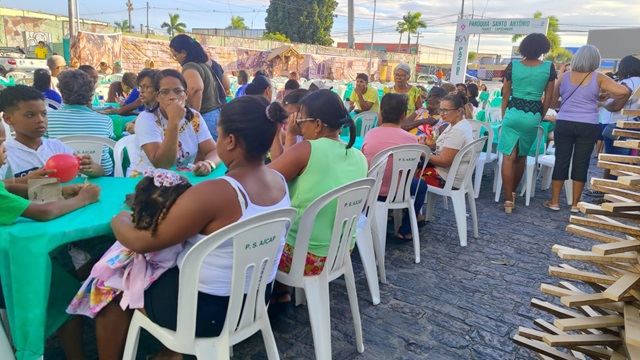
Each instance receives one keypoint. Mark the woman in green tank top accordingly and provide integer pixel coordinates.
(320, 163)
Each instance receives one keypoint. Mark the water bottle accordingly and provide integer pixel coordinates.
(101, 101)
(435, 133)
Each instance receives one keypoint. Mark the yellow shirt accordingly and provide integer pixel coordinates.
(371, 95)
(413, 93)
(41, 52)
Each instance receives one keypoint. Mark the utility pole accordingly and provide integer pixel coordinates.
(462, 10)
(350, 21)
(373, 28)
(147, 19)
(71, 20)
(129, 9)
(77, 17)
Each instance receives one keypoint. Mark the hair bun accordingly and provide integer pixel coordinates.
(276, 113)
(346, 121)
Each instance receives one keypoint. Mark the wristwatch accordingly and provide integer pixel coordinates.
(211, 163)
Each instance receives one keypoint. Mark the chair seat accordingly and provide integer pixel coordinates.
(547, 160)
(483, 157)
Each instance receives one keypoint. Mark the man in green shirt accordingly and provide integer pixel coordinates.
(363, 97)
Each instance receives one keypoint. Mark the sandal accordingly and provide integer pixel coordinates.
(404, 237)
(278, 306)
(508, 207)
(548, 205)
(422, 223)
(575, 209)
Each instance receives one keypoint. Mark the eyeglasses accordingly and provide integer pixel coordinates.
(165, 92)
(144, 88)
(399, 75)
(444, 111)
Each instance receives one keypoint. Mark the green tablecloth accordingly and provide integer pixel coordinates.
(25, 265)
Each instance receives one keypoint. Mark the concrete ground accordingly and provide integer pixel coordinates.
(458, 303)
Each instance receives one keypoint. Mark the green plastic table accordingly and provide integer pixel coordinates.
(25, 265)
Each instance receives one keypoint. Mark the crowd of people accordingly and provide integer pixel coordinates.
(278, 154)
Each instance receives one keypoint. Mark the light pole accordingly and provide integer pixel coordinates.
(373, 28)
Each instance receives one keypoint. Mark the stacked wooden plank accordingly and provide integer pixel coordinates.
(600, 318)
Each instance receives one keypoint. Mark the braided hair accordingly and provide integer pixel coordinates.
(151, 203)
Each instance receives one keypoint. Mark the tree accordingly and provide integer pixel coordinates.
(174, 25)
(276, 37)
(560, 55)
(237, 23)
(401, 28)
(552, 31)
(410, 23)
(309, 23)
(122, 26)
(471, 56)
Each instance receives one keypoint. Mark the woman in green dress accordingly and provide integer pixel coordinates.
(525, 81)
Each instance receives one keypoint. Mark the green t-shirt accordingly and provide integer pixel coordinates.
(330, 166)
(370, 96)
(11, 206)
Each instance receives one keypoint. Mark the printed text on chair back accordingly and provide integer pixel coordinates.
(88, 145)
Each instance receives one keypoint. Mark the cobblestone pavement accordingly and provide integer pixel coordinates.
(458, 303)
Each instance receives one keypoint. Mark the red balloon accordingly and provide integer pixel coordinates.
(66, 167)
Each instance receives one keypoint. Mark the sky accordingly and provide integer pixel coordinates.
(440, 15)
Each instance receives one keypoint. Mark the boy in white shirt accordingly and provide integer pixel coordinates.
(24, 109)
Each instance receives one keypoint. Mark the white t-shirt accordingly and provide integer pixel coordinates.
(150, 128)
(633, 83)
(23, 160)
(455, 137)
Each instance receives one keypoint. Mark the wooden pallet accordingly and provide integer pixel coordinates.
(603, 323)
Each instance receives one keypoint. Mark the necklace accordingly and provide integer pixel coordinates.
(182, 128)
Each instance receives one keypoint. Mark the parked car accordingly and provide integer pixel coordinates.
(427, 79)
(15, 59)
(467, 78)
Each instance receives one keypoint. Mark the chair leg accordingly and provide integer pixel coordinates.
(498, 180)
(301, 299)
(414, 232)
(529, 184)
(133, 336)
(364, 240)
(568, 189)
(478, 179)
(6, 352)
(353, 302)
(474, 214)
(319, 315)
(460, 211)
(397, 220)
(430, 205)
(269, 341)
(379, 235)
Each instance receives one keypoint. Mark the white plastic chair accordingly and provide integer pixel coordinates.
(367, 237)
(349, 200)
(52, 104)
(493, 114)
(103, 90)
(88, 145)
(547, 163)
(471, 151)
(405, 159)
(113, 78)
(15, 75)
(7, 129)
(369, 120)
(6, 351)
(485, 157)
(245, 315)
(530, 170)
(128, 142)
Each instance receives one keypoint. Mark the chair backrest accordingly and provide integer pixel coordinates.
(17, 75)
(91, 145)
(405, 160)
(376, 172)
(471, 151)
(493, 114)
(255, 247)
(103, 90)
(349, 201)
(113, 78)
(128, 142)
(369, 120)
(477, 127)
(52, 104)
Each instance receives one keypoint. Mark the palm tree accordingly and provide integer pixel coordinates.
(413, 23)
(174, 26)
(401, 28)
(237, 23)
(122, 26)
(552, 31)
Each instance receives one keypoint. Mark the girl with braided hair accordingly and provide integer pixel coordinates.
(123, 271)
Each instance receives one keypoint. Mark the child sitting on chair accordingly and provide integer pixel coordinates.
(25, 110)
(122, 271)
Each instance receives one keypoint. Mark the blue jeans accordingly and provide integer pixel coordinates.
(419, 191)
(211, 119)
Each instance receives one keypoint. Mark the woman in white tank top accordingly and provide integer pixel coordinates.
(247, 127)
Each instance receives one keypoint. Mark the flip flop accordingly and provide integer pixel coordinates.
(404, 237)
(551, 206)
(575, 209)
(422, 223)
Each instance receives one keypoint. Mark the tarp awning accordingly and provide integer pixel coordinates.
(283, 51)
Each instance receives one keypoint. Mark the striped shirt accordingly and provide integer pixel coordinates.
(80, 120)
